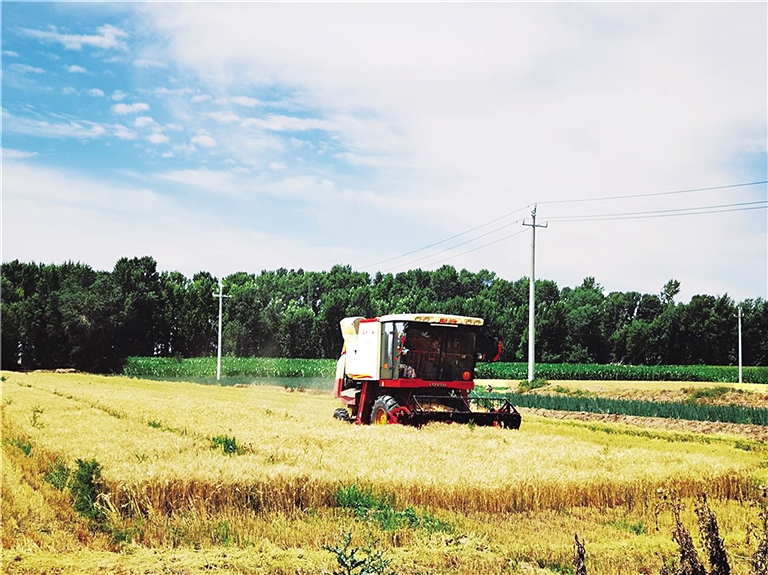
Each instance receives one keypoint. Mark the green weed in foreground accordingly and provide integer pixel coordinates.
(366, 505)
(227, 444)
(357, 560)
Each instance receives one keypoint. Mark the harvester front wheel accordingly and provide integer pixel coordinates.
(342, 415)
(382, 407)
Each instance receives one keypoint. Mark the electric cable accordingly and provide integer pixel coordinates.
(652, 194)
(456, 245)
(693, 211)
(464, 233)
(746, 206)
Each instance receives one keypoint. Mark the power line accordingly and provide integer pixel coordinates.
(652, 194)
(464, 233)
(453, 247)
(453, 256)
(694, 211)
(594, 217)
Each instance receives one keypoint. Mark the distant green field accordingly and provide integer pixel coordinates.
(231, 367)
(237, 367)
(594, 372)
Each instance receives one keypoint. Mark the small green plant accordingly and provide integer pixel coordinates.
(368, 506)
(710, 393)
(357, 560)
(155, 423)
(86, 488)
(227, 444)
(34, 419)
(221, 534)
(58, 475)
(530, 385)
(624, 524)
(25, 446)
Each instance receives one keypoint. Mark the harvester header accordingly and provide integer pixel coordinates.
(415, 368)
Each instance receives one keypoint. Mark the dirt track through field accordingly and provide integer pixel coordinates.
(751, 432)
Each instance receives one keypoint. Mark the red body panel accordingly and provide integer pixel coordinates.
(410, 383)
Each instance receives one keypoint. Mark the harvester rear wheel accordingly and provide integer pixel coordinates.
(382, 407)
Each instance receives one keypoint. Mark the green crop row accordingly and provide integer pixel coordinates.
(595, 372)
(665, 409)
(205, 367)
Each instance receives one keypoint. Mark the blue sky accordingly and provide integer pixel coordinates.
(248, 136)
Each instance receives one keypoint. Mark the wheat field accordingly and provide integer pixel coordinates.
(257, 470)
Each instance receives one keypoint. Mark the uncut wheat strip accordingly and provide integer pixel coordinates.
(288, 494)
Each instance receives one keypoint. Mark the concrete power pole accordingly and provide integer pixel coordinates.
(740, 365)
(221, 297)
(532, 297)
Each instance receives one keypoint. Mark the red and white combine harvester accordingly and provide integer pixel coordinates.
(416, 368)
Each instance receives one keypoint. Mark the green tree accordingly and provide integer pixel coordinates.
(296, 334)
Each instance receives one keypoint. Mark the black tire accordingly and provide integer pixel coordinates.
(342, 415)
(381, 409)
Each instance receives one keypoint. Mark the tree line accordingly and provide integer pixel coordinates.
(70, 315)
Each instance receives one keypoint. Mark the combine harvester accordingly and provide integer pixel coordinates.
(416, 368)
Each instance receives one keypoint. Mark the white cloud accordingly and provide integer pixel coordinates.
(278, 123)
(107, 37)
(201, 98)
(118, 96)
(75, 69)
(223, 182)
(178, 92)
(245, 101)
(143, 122)
(96, 93)
(224, 117)
(277, 166)
(124, 109)
(26, 69)
(149, 63)
(10, 54)
(158, 138)
(124, 133)
(78, 130)
(36, 201)
(204, 140)
(9, 154)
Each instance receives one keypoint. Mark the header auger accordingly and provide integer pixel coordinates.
(412, 369)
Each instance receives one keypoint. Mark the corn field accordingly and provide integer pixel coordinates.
(205, 367)
(596, 372)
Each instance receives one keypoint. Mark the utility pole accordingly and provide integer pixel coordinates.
(740, 365)
(221, 297)
(532, 297)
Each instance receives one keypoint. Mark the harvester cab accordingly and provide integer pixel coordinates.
(413, 369)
